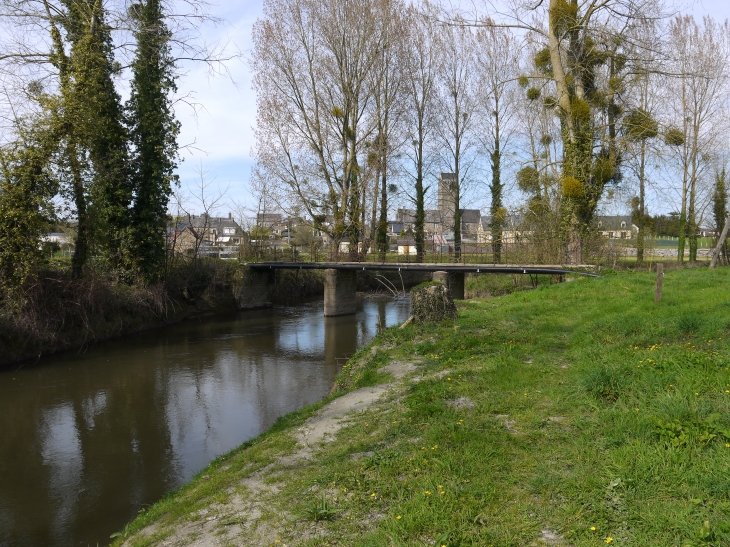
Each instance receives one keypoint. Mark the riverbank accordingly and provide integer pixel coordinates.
(579, 414)
(61, 313)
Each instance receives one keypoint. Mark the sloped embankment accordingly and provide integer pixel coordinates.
(581, 414)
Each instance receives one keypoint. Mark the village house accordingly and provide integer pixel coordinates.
(514, 229)
(205, 235)
(617, 227)
(406, 247)
(269, 220)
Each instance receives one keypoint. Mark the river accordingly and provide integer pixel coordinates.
(88, 439)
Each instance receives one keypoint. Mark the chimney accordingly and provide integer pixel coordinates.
(230, 215)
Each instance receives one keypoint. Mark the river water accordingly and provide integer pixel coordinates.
(87, 440)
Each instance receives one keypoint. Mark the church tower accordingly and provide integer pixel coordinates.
(448, 186)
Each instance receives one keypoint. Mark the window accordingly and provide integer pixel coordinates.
(229, 230)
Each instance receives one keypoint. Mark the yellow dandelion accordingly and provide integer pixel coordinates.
(593, 528)
(398, 517)
(609, 539)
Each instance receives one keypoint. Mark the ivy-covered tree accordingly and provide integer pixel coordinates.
(95, 117)
(719, 209)
(91, 136)
(27, 188)
(153, 132)
(582, 75)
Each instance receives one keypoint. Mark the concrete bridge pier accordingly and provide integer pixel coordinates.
(252, 289)
(453, 281)
(339, 292)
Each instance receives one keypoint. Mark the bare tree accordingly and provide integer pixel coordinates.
(697, 95)
(497, 62)
(421, 71)
(388, 86)
(312, 64)
(640, 127)
(457, 108)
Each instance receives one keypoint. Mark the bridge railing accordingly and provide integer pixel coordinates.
(469, 253)
(533, 250)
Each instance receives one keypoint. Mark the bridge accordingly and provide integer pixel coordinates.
(340, 285)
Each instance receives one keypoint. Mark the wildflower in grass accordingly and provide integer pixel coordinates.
(727, 445)
(427, 493)
(372, 495)
(398, 517)
(593, 528)
(609, 539)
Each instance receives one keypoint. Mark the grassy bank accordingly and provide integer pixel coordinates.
(579, 414)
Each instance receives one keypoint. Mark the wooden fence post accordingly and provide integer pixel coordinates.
(659, 282)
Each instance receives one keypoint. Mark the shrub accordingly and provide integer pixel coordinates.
(431, 302)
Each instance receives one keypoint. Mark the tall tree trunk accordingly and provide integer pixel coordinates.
(496, 189)
(692, 214)
(81, 246)
(642, 209)
(383, 221)
(420, 196)
(372, 239)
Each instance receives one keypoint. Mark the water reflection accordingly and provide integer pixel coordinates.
(87, 440)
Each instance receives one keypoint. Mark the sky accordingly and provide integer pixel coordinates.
(218, 136)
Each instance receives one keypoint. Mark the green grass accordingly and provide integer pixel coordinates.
(596, 414)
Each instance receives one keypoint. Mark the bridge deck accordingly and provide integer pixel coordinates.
(403, 266)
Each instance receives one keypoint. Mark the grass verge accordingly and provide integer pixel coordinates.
(579, 414)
